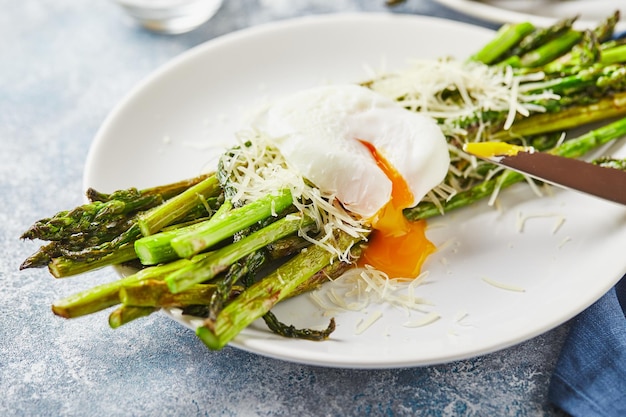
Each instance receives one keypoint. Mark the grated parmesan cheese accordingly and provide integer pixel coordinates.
(360, 288)
(564, 241)
(427, 319)
(503, 286)
(460, 316)
(523, 218)
(481, 88)
(559, 222)
(257, 168)
(366, 323)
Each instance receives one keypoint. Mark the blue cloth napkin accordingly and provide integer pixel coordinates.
(590, 375)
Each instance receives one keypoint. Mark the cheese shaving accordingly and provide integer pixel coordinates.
(564, 241)
(360, 288)
(256, 168)
(368, 321)
(427, 319)
(460, 316)
(503, 286)
(557, 225)
(426, 85)
(523, 218)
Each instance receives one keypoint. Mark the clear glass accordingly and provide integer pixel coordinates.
(170, 16)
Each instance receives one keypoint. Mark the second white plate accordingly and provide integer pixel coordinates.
(539, 12)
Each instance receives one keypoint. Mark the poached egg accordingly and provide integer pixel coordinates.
(373, 155)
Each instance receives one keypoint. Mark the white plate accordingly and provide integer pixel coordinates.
(539, 12)
(179, 118)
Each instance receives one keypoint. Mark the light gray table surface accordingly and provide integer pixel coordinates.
(64, 64)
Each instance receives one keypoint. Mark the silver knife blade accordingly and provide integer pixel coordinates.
(574, 174)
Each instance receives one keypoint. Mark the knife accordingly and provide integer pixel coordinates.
(574, 174)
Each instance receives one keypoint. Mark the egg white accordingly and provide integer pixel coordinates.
(319, 132)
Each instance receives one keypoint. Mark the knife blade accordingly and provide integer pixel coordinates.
(574, 174)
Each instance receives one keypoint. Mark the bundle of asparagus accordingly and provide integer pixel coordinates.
(196, 249)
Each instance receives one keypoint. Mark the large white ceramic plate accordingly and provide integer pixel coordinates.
(540, 12)
(177, 120)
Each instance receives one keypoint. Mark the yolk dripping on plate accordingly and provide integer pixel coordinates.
(396, 246)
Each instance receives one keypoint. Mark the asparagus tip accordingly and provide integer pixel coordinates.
(26, 264)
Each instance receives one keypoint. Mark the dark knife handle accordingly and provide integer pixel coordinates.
(606, 183)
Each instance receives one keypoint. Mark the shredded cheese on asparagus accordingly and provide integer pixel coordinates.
(360, 288)
(426, 85)
(423, 321)
(452, 92)
(256, 169)
(503, 285)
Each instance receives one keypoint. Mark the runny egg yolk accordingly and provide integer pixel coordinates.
(396, 246)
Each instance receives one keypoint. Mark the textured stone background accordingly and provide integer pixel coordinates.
(63, 65)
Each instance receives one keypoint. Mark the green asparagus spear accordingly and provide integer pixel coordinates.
(97, 216)
(199, 240)
(219, 260)
(604, 31)
(542, 35)
(66, 266)
(104, 211)
(156, 249)
(548, 51)
(507, 37)
(117, 251)
(90, 301)
(600, 78)
(155, 293)
(242, 271)
(588, 50)
(583, 54)
(257, 300)
(613, 55)
(92, 235)
(286, 246)
(276, 326)
(177, 207)
(106, 295)
(166, 191)
(79, 248)
(43, 256)
(575, 116)
(586, 53)
(331, 271)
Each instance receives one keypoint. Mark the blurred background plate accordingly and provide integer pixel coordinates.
(540, 12)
